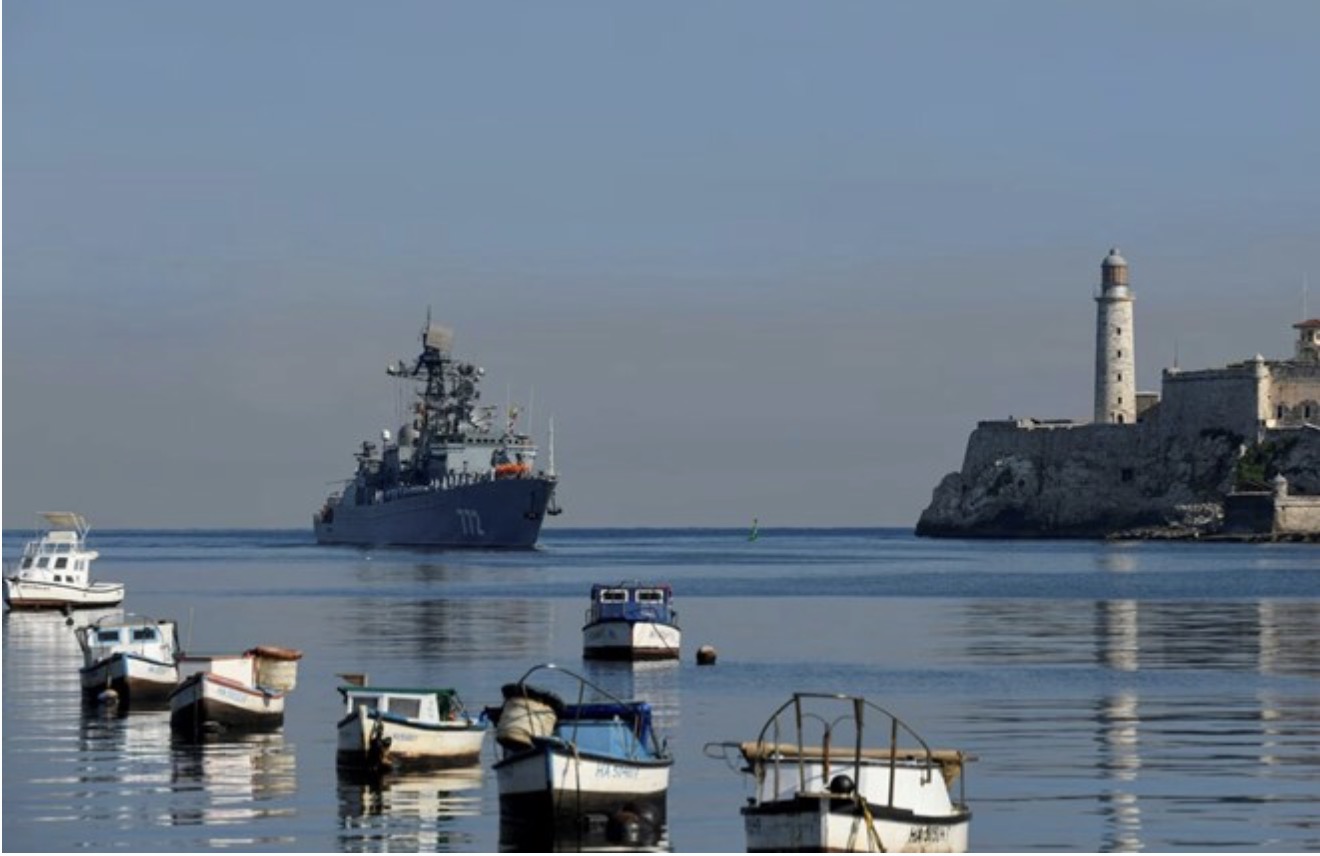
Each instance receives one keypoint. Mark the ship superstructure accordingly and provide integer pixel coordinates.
(452, 476)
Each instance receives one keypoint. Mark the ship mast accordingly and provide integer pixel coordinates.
(552, 447)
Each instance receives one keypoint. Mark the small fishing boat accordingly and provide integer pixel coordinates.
(631, 621)
(233, 692)
(841, 795)
(393, 728)
(55, 570)
(129, 660)
(567, 764)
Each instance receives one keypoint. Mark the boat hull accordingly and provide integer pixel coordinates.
(134, 680)
(812, 823)
(630, 640)
(551, 782)
(206, 703)
(411, 745)
(501, 513)
(35, 594)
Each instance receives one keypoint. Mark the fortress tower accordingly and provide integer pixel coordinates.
(1115, 366)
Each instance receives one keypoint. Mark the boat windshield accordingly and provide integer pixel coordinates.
(410, 704)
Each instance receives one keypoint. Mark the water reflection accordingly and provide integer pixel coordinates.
(46, 643)
(1118, 632)
(1128, 635)
(1118, 735)
(1167, 747)
(407, 812)
(51, 629)
(622, 833)
(653, 681)
(1115, 559)
(230, 783)
(449, 629)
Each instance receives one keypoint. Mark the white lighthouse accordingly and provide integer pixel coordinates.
(1115, 365)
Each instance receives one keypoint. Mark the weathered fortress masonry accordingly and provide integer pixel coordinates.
(1214, 441)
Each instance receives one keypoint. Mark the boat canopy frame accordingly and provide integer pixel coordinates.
(770, 751)
(636, 714)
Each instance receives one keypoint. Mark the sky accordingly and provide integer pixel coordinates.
(756, 259)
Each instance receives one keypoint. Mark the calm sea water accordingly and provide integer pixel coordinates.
(1150, 696)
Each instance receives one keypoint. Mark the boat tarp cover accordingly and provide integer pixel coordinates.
(950, 761)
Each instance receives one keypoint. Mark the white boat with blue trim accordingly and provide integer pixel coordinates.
(405, 728)
(631, 621)
(831, 792)
(567, 764)
(129, 660)
(55, 570)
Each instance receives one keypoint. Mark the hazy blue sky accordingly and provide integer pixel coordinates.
(757, 259)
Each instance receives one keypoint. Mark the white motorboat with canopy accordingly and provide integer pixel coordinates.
(55, 570)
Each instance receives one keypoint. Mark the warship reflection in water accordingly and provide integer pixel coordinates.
(448, 479)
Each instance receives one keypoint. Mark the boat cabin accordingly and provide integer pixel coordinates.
(129, 634)
(426, 705)
(264, 667)
(632, 602)
(58, 555)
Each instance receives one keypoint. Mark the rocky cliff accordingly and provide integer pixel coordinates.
(1034, 479)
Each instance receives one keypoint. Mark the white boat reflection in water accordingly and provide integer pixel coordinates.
(413, 812)
(235, 783)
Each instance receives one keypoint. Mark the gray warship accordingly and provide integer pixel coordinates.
(454, 476)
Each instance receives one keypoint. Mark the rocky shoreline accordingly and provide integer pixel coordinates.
(1101, 482)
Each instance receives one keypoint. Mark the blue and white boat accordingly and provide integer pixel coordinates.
(562, 763)
(129, 659)
(631, 621)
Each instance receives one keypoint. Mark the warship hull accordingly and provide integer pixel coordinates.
(497, 513)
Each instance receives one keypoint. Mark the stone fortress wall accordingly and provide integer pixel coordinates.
(1208, 432)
